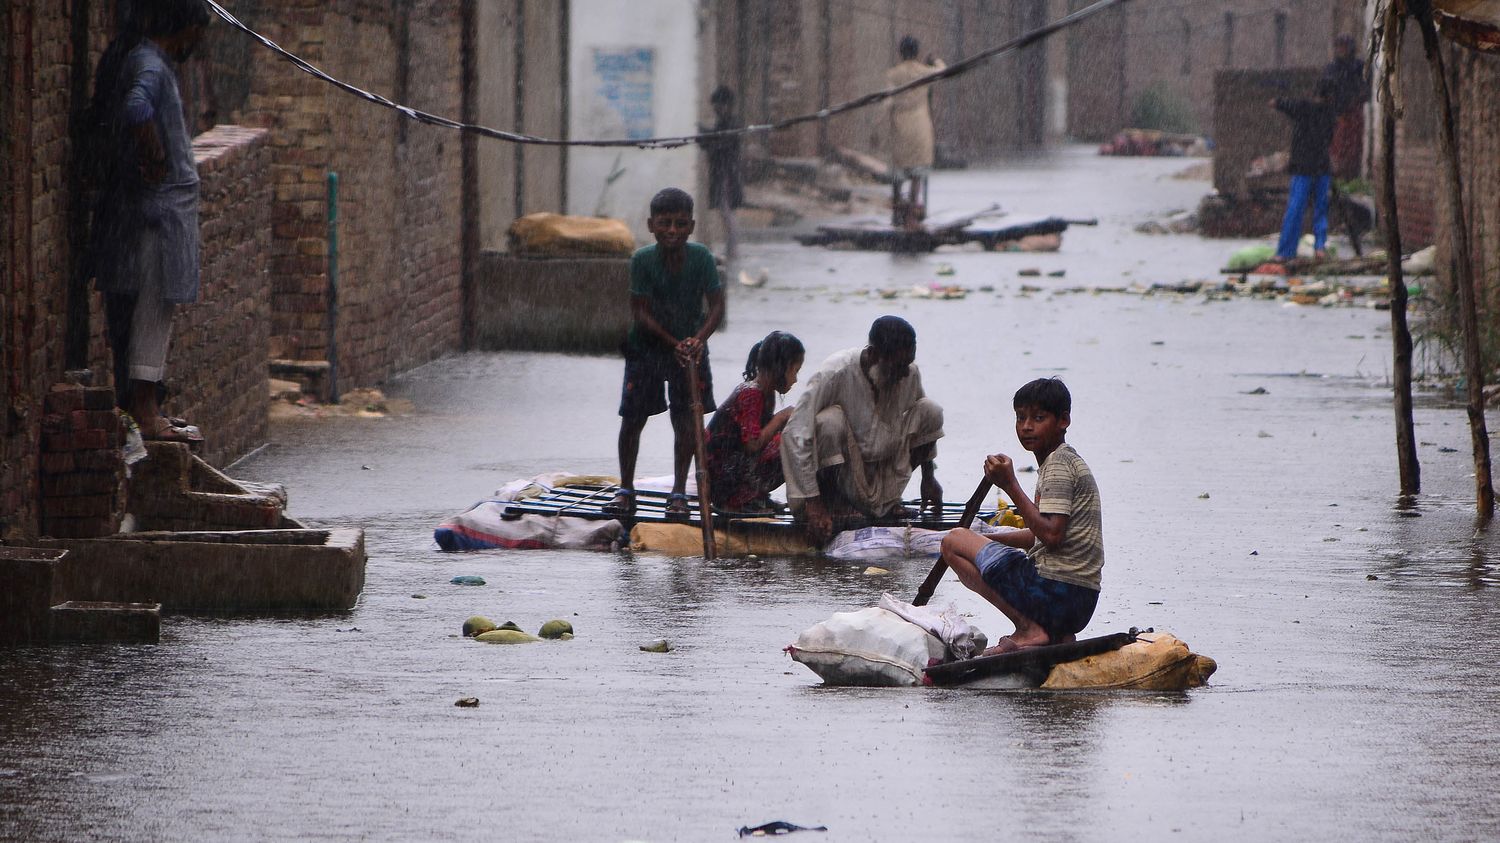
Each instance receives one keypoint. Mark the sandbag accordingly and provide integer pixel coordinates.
(1156, 661)
(556, 235)
(743, 538)
(871, 648)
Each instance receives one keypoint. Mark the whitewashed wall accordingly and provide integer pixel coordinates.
(670, 30)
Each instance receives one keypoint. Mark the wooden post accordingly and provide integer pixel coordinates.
(1463, 260)
(700, 460)
(1406, 445)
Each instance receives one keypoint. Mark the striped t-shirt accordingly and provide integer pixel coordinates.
(1065, 486)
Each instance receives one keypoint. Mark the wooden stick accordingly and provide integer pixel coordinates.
(971, 509)
(700, 460)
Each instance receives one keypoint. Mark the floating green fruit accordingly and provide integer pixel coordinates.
(510, 625)
(477, 624)
(566, 636)
(555, 629)
(506, 636)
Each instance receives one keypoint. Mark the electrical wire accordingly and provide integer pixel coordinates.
(669, 142)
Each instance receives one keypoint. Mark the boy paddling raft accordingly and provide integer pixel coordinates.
(1045, 578)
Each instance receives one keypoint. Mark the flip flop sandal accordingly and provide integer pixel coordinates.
(623, 503)
(677, 508)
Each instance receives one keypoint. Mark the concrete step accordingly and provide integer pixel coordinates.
(87, 620)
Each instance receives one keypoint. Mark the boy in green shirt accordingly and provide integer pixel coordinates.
(670, 283)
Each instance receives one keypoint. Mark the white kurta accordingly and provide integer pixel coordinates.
(840, 422)
(911, 133)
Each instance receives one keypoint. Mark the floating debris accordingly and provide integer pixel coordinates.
(555, 629)
(476, 625)
(468, 702)
(874, 571)
(467, 579)
(660, 645)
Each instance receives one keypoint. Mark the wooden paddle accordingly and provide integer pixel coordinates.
(700, 460)
(971, 509)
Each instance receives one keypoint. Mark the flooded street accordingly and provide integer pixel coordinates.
(1353, 699)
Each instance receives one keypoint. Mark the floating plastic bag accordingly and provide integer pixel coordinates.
(1156, 661)
(875, 543)
(485, 525)
(871, 647)
(962, 640)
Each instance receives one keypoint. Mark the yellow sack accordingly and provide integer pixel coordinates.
(555, 235)
(1156, 661)
(762, 538)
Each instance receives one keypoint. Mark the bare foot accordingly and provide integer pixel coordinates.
(1015, 643)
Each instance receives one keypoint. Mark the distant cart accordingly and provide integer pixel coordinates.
(883, 237)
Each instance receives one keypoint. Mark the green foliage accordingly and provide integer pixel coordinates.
(1159, 108)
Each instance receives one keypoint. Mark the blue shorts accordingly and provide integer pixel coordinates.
(654, 376)
(1059, 607)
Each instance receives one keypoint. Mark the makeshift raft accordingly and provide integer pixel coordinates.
(568, 511)
(883, 237)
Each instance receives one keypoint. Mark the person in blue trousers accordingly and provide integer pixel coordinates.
(1310, 167)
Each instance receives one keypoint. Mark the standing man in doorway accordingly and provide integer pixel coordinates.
(144, 243)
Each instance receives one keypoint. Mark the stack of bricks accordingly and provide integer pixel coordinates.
(83, 473)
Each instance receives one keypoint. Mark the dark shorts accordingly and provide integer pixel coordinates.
(1060, 608)
(653, 378)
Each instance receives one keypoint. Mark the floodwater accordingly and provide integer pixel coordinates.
(1354, 698)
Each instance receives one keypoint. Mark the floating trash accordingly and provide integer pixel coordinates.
(660, 645)
(467, 579)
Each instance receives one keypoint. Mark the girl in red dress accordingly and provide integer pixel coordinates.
(744, 437)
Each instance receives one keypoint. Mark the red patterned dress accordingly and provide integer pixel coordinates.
(739, 477)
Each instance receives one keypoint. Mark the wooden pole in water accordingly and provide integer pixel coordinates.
(1463, 259)
(1401, 345)
(700, 462)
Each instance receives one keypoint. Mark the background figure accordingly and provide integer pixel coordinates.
(1312, 132)
(726, 188)
(911, 135)
(1348, 91)
(144, 242)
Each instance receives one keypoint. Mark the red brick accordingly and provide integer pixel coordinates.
(103, 460)
(82, 506)
(80, 528)
(65, 400)
(81, 483)
(99, 398)
(84, 440)
(60, 463)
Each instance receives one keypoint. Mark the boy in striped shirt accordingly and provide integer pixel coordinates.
(1044, 578)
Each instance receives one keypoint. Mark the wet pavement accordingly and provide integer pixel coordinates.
(1251, 525)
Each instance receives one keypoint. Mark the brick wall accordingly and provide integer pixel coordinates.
(1174, 49)
(399, 283)
(38, 256)
(217, 363)
(1474, 80)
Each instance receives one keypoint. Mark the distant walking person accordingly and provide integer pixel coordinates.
(726, 188)
(911, 135)
(1350, 91)
(144, 242)
(1312, 131)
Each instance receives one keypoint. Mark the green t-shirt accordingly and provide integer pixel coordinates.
(676, 299)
